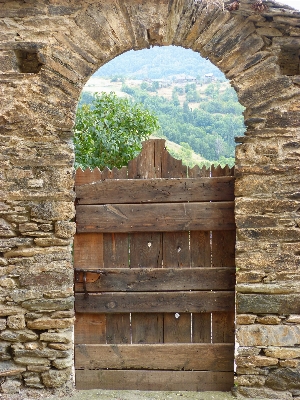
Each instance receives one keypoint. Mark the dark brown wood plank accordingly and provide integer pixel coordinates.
(155, 217)
(118, 328)
(195, 381)
(156, 190)
(201, 327)
(200, 249)
(88, 250)
(177, 328)
(116, 255)
(223, 248)
(223, 254)
(223, 327)
(116, 302)
(146, 250)
(90, 328)
(185, 357)
(155, 279)
(176, 251)
(147, 328)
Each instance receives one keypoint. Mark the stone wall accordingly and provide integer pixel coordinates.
(48, 50)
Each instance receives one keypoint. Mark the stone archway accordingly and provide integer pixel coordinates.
(48, 51)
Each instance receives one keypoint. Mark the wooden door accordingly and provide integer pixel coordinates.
(154, 276)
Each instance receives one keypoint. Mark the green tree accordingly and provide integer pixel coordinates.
(109, 132)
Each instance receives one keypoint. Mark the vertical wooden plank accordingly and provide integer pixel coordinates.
(116, 255)
(90, 328)
(146, 248)
(88, 250)
(118, 328)
(177, 328)
(176, 254)
(88, 254)
(115, 250)
(201, 327)
(147, 328)
(223, 255)
(223, 327)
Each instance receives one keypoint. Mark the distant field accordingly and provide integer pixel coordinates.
(105, 85)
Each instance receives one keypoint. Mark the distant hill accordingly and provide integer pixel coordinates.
(159, 62)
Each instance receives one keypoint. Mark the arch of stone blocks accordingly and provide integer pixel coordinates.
(48, 50)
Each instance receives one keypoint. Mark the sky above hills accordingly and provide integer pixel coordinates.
(292, 3)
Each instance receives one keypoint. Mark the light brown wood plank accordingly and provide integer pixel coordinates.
(154, 380)
(155, 279)
(119, 302)
(87, 176)
(146, 250)
(90, 328)
(177, 328)
(155, 217)
(159, 190)
(116, 250)
(147, 328)
(88, 250)
(185, 357)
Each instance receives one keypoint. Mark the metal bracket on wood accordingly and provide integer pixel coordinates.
(78, 271)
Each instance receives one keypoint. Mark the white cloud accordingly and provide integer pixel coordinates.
(292, 3)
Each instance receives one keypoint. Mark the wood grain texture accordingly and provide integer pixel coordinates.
(159, 190)
(118, 302)
(182, 357)
(90, 328)
(88, 250)
(167, 217)
(165, 279)
(195, 381)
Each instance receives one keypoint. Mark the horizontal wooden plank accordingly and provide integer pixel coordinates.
(166, 217)
(155, 279)
(195, 381)
(120, 302)
(180, 357)
(156, 190)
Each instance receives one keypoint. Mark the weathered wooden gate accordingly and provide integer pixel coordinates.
(154, 276)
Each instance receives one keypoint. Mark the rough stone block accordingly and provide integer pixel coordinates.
(8, 368)
(245, 319)
(268, 320)
(64, 229)
(268, 335)
(57, 337)
(53, 211)
(63, 363)
(56, 378)
(49, 304)
(264, 393)
(284, 379)
(16, 322)
(48, 323)
(18, 336)
(31, 361)
(11, 386)
(283, 352)
(268, 303)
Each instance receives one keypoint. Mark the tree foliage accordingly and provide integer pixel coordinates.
(109, 131)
